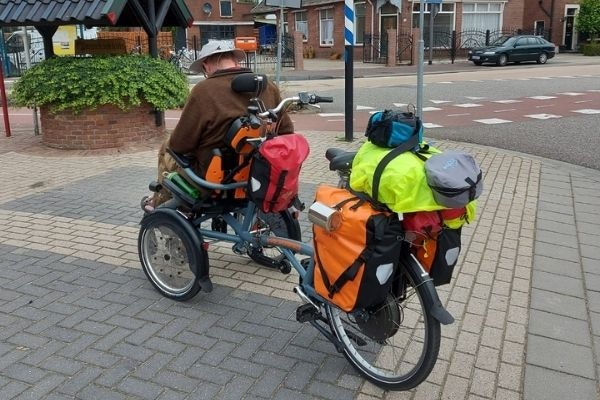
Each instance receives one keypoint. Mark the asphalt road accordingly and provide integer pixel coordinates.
(574, 138)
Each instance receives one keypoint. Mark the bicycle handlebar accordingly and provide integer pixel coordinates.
(303, 98)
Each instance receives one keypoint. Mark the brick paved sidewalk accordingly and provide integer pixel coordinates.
(79, 320)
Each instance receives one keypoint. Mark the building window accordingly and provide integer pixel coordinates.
(482, 16)
(301, 24)
(326, 27)
(216, 32)
(443, 23)
(226, 8)
(359, 22)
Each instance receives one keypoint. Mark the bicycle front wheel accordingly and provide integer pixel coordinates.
(395, 345)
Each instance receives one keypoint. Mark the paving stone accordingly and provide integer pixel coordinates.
(559, 327)
(557, 303)
(557, 283)
(560, 356)
(542, 383)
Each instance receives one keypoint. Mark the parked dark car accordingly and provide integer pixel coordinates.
(517, 48)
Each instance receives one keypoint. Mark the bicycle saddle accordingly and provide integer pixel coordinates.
(339, 159)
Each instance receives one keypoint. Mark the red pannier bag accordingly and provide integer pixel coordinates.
(435, 245)
(275, 172)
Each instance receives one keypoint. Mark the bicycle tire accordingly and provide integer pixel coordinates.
(378, 359)
(282, 224)
(167, 253)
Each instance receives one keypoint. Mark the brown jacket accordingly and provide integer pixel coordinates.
(209, 111)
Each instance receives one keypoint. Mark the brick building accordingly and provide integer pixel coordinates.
(322, 21)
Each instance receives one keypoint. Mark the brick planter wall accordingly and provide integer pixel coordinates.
(105, 127)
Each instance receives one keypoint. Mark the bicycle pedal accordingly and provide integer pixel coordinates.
(307, 313)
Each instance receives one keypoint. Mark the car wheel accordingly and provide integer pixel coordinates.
(477, 62)
(542, 58)
(502, 60)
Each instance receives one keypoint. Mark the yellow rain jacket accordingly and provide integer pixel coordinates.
(403, 186)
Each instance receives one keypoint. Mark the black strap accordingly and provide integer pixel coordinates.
(324, 276)
(350, 273)
(406, 146)
(278, 188)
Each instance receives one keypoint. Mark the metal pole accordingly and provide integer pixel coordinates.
(36, 127)
(349, 92)
(279, 45)
(349, 70)
(4, 104)
(421, 50)
(431, 8)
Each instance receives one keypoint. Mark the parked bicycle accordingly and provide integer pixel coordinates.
(182, 59)
(393, 344)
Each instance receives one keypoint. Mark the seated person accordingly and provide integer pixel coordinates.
(210, 109)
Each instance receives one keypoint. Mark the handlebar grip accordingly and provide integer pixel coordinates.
(323, 99)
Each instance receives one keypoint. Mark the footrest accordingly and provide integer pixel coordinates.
(307, 313)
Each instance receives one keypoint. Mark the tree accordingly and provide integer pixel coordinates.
(588, 18)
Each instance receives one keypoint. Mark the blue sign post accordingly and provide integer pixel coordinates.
(349, 69)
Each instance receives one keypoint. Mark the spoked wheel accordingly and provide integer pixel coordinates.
(394, 345)
(281, 224)
(167, 253)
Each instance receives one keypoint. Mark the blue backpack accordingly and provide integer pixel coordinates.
(391, 129)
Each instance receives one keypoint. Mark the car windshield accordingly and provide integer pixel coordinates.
(503, 41)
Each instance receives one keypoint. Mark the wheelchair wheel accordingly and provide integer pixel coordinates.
(168, 254)
(281, 224)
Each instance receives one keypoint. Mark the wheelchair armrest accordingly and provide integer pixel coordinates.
(179, 158)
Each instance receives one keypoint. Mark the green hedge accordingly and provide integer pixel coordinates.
(591, 49)
(75, 83)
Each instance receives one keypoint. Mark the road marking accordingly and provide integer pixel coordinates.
(587, 111)
(327, 115)
(572, 94)
(399, 105)
(430, 125)
(543, 116)
(507, 101)
(491, 121)
(546, 105)
(541, 77)
(364, 108)
(431, 109)
(593, 90)
(457, 115)
(542, 97)
(582, 101)
(505, 110)
(440, 101)
(468, 105)
(446, 82)
(474, 98)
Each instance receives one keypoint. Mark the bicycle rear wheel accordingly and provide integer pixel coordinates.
(394, 345)
(167, 254)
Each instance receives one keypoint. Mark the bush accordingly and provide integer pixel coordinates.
(591, 49)
(75, 83)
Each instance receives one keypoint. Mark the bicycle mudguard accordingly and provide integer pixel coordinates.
(431, 300)
(174, 217)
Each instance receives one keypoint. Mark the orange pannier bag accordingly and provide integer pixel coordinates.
(355, 263)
